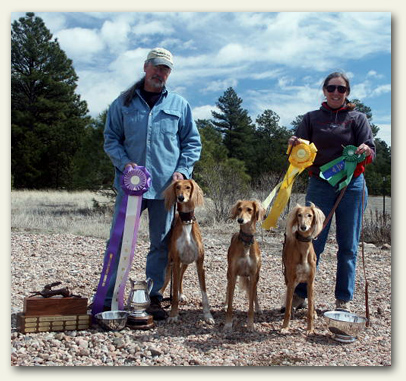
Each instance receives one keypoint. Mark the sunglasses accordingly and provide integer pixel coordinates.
(331, 89)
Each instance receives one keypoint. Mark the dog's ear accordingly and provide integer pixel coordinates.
(197, 194)
(260, 211)
(318, 220)
(170, 195)
(234, 210)
(291, 221)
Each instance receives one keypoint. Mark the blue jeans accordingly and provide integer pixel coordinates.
(348, 228)
(160, 221)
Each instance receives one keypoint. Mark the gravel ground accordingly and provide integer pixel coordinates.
(39, 259)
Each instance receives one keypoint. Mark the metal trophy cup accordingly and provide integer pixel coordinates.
(138, 302)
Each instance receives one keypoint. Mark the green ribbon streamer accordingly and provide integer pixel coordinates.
(342, 167)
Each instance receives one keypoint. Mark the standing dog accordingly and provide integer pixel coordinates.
(304, 223)
(185, 244)
(244, 258)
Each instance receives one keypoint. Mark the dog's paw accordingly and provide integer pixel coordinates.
(183, 298)
(173, 319)
(284, 331)
(250, 328)
(228, 327)
(310, 332)
(208, 318)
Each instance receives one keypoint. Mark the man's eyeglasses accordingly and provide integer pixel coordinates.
(331, 89)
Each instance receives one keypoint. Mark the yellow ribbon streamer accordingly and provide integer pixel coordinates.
(301, 156)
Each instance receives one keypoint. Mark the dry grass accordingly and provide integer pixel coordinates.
(89, 214)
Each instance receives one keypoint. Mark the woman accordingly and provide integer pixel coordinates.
(335, 125)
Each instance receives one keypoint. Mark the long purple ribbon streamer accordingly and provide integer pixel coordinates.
(114, 243)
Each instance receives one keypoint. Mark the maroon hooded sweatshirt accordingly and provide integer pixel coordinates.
(330, 130)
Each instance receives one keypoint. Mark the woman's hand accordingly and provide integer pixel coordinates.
(363, 148)
(293, 141)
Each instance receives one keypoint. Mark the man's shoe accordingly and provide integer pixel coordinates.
(155, 309)
(341, 305)
(297, 303)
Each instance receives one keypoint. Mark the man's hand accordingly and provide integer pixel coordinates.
(130, 165)
(177, 176)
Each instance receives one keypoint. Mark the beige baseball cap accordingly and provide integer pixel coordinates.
(160, 56)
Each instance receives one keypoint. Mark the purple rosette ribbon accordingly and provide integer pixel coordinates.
(134, 181)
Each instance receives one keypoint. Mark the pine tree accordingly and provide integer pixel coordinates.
(92, 166)
(236, 127)
(47, 117)
(271, 141)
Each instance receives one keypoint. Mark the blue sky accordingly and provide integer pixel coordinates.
(272, 60)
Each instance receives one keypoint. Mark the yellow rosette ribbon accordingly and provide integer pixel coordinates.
(301, 156)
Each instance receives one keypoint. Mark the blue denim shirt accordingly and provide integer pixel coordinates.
(164, 139)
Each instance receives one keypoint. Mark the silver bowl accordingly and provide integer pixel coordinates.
(112, 320)
(344, 326)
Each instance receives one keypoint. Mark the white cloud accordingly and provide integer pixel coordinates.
(374, 74)
(115, 34)
(204, 112)
(80, 44)
(220, 85)
(152, 28)
(381, 90)
(99, 89)
(384, 133)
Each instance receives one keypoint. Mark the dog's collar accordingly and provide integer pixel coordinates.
(246, 239)
(303, 239)
(188, 217)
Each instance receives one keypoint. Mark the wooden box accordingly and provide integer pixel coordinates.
(55, 305)
(34, 324)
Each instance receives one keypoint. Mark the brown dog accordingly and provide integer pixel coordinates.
(244, 258)
(185, 244)
(304, 223)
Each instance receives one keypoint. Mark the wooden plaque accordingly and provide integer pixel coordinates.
(55, 305)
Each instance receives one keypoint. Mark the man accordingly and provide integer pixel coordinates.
(149, 126)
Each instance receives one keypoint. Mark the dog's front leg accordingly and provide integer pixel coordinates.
(251, 297)
(182, 296)
(202, 281)
(174, 314)
(288, 306)
(310, 308)
(230, 295)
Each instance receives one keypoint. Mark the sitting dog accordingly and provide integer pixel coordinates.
(185, 243)
(244, 258)
(304, 223)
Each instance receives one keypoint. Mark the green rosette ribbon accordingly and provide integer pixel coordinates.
(342, 168)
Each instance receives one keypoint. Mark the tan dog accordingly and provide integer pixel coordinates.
(185, 244)
(304, 223)
(244, 258)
